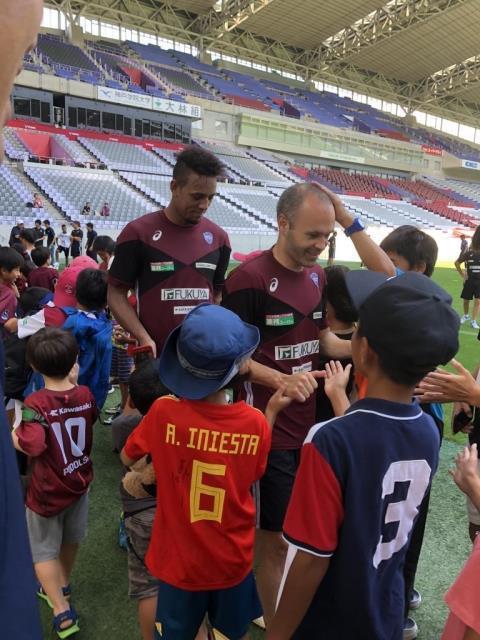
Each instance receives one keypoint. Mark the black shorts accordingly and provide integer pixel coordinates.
(65, 250)
(471, 289)
(75, 250)
(272, 492)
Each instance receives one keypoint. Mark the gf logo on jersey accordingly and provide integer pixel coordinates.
(157, 235)
(208, 237)
(314, 278)
(273, 285)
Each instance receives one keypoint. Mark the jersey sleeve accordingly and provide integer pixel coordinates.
(315, 512)
(138, 442)
(30, 433)
(31, 324)
(222, 266)
(8, 306)
(127, 263)
(265, 445)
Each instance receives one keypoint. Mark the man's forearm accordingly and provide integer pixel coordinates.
(265, 376)
(333, 347)
(124, 313)
(304, 576)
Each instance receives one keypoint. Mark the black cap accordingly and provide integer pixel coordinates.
(408, 319)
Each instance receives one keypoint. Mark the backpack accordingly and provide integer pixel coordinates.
(17, 372)
(94, 338)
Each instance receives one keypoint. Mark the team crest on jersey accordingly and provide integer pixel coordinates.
(273, 285)
(157, 235)
(208, 237)
(314, 278)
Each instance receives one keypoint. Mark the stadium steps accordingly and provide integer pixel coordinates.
(50, 211)
(283, 174)
(137, 190)
(247, 211)
(314, 177)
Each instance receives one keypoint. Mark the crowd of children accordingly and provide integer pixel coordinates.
(354, 535)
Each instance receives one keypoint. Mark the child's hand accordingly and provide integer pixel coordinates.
(277, 403)
(336, 377)
(465, 474)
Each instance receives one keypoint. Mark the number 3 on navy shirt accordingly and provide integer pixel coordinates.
(417, 473)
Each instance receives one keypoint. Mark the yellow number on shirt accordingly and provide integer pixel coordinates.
(199, 488)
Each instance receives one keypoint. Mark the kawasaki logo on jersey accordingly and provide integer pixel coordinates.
(186, 294)
(279, 320)
(294, 351)
(162, 266)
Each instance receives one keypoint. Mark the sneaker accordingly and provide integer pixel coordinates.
(474, 324)
(410, 629)
(108, 421)
(464, 318)
(113, 410)
(415, 599)
(111, 390)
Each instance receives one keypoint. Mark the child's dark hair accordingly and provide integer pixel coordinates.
(337, 294)
(145, 386)
(104, 243)
(91, 289)
(393, 369)
(10, 259)
(27, 235)
(52, 352)
(32, 300)
(40, 255)
(414, 245)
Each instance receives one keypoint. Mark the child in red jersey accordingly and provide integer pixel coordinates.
(10, 265)
(56, 432)
(207, 454)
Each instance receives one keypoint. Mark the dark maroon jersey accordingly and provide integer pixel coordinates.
(173, 268)
(288, 307)
(43, 277)
(57, 432)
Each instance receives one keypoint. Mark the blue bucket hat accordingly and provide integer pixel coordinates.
(204, 353)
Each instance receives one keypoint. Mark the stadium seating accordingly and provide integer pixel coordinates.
(70, 188)
(125, 157)
(354, 183)
(14, 147)
(77, 153)
(66, 59)
(222, 211)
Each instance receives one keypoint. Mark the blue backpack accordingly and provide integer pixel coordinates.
(94, 338)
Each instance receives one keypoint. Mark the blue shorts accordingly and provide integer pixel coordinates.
(180, 613)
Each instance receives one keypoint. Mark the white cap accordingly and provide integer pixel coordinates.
(20, 221)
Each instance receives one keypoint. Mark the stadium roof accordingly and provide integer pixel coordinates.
(423, 54)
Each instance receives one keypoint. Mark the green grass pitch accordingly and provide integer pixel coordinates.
(100, 577)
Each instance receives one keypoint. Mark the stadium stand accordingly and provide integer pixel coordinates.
(69, 188)
(223, 211)
(125, 157)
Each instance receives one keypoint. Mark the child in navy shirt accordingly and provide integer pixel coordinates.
(363, 476)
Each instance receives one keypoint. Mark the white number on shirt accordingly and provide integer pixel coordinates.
(77, 447)
(417, 473)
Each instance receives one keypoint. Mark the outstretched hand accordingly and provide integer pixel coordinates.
(300, 386)
(336, 377)
(277, 403)
(465, 473)
(444, 386)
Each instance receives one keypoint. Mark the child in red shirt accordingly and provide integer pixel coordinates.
(10, 265)
(207, 454)
(56, 431)
(44, 275)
